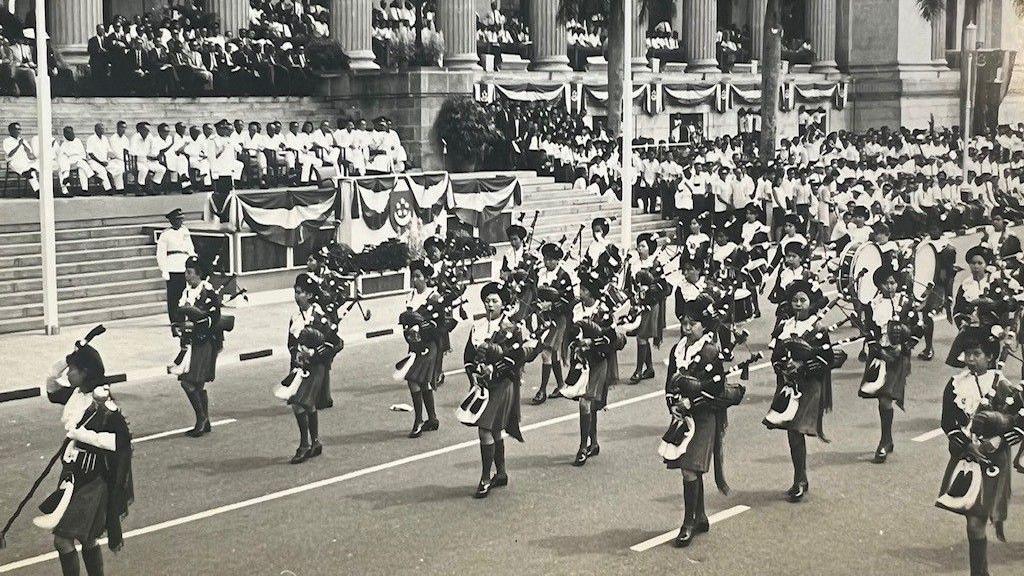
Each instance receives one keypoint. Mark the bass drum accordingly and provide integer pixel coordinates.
(857, 264)
(743, 306)
(925, 264)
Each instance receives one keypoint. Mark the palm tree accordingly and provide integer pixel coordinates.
(584, 9)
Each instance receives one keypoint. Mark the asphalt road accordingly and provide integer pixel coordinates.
(379, 503)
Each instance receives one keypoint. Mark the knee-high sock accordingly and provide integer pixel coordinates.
(314, 427)
(689, 502)
(648, 357)
(195, 401)
(979, 556)
(69, 563)
(428, 403)
(417, 405)
(302, 419)
(499, 456)
(584, 428)
(700, 515)
(545, 375)
(593, 427)
(556, 369)
(640, 358)
(798, 453)
(93, 560)
(204, 397)
(885, 417)
(929, 331)
(486, 459)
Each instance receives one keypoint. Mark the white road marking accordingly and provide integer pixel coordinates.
(344, 478)
(669, 536)
(180, 431)
(929, 435)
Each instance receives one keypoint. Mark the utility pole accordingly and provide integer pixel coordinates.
(968, 66)
(47, 232)
(626, 215)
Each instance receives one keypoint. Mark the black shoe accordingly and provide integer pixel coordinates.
(636, 377)
(482, 489)
(195, 432)
(499, 480)
(556, 393)
(702, 527)
(431, 425)
(593, 450)
(539, 398)
(881, 453)
(207, 428)
(581, 457)
(648, 374)
(798, 491)
(316, 450)
(417, 430)
(926, 354)
(685, 537)
(301, 455)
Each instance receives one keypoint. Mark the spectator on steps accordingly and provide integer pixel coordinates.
(72, 156)
(140, 152)
(21, 156)
(196, 155)
(102, 158)
(173, 248)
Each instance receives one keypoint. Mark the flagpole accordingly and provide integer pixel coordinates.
(47, 232)
(967, 67)
(627, 125)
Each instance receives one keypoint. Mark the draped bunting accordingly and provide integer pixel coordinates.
(748, 94)
(479, 201)
(532, 92)
(429, 192)
(286, 218)
(816, 92)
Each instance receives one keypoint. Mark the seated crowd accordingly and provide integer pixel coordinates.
(183, 158)
(502, 33)
(394, 34)
(910, 177)
(180, 51)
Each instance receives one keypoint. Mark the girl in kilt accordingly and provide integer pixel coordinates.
(200, 306)
(891, 325)
(645, 285)
(313, 343)
(982, 418)
(593, 344)
(422, 323)
(695, 372)
(802, 356)
(494, 360)
(554, 294)
(938, 297)
(96, 462)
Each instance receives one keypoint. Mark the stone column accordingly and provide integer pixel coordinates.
(699, 39)
(821, 29)
(638, 50)
(351, 27)
(232, 14)
(71, 24)
(550, 38)
(456, 20)
(939, 41)
(757, 10)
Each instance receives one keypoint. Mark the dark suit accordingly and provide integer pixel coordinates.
(99, 60)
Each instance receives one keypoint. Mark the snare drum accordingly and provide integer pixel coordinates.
(743, 305)
(925, 264)
(857, 264)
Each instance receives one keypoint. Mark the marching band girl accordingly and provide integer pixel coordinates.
(981, 418)
(313, 343)
(644, 284)
(697, 245)
(802, 356)
(516, 235)
(793, 270)
(938, 297)
(593, 342)
(974, 286)
(200, 308)
(891, 322)
(493, 359)
(694, 364)
(554, 291)
(96, 463)
(449, 288)
(421, 323)
(755, 239)
(690, 290)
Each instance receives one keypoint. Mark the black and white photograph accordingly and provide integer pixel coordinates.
(578, 287)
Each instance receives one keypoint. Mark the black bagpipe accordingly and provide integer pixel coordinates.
(186, 329)
(57, 502)
(490, 362)
(290, 384)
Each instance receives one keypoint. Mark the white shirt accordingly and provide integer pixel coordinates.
(10, 143)
(72, 150)
(172, 250)
(99, 146)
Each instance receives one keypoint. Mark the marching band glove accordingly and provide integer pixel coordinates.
(102, 440)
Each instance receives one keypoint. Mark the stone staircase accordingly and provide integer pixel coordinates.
(563, 209)
(106, 270)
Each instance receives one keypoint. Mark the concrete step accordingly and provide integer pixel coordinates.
(83, 304)
(11, 287)
(75, 256)
(84, 317)
(583, 202)
(87, 291)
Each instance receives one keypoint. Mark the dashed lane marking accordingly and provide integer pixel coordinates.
(669, 536)
(180, 431)
(929, 435)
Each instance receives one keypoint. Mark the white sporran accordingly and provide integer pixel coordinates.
(675, 442)
(784, 406)
(473, 405)
(290, 385)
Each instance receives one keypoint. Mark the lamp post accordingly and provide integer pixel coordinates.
(626, 214)
(47, 233)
